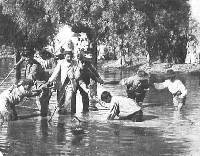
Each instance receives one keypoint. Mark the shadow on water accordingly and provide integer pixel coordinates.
(149, 117)
(152, 105)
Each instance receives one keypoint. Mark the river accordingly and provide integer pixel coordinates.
(163, 131)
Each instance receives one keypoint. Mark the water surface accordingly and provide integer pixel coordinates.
(163, 131)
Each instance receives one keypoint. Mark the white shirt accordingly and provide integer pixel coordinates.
(173, 87)
(127, 106)
(12, 96)
(67, 70)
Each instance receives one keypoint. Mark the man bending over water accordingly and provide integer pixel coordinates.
(122, 108)
(13, 96)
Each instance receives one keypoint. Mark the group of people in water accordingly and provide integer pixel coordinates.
(70, 76)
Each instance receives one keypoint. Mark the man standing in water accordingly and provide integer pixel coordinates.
(88, 76)
(136, 86)
(175, 87)
(35, 72)
(65, 73)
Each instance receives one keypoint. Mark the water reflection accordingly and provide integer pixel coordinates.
(61, 139)
(44, 128)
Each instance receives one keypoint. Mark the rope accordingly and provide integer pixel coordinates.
(6, 76)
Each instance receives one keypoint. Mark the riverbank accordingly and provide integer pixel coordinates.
(154, 68)
(163, 67)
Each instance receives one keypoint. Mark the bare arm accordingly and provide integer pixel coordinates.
(162, 85)
(128, 81)
(33, 93)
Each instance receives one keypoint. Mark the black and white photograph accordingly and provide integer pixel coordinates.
(99, 77)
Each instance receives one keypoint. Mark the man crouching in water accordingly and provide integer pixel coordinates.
(122, 108)
(13, 96)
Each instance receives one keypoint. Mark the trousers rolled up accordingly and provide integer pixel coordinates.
(178, 102)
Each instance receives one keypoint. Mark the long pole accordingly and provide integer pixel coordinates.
(18, 68)
(6, 77)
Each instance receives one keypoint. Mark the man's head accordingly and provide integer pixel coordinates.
(85, 59)
(142, 75)
(28, 53)
(27, 84)
(170, 74)
(61, 54)
(106, 97)
(68, 55)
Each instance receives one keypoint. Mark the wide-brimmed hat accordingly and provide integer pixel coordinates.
(68, 52)
(142, 75)
(170, 73)
(64, 51)
(86, 57)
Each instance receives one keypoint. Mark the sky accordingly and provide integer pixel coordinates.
(195, 9)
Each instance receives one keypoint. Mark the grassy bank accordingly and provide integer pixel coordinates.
(155, 67)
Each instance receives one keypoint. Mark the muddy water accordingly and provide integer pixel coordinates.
(163, 131)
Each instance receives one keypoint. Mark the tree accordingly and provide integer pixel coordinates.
(31, 25)
(166, 31)
(158, 27)
(28, 26)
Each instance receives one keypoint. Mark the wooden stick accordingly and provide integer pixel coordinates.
(53, 114)
(6, 77)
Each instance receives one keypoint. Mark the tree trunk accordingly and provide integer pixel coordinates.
(18, 68)
(94, 48)
(93, 84)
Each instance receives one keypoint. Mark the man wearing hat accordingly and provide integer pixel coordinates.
(33, 69)
(136, 86)
(35, 72)
(87, 79)
(61, 55)
(175, 87)
(65, 74)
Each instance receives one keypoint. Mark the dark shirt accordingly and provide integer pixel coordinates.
(35, 71)
(89, 72)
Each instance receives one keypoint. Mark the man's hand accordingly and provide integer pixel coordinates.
(99, 80)
(122, 82)
(178, 93)
(36, 92)
(47, 85)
